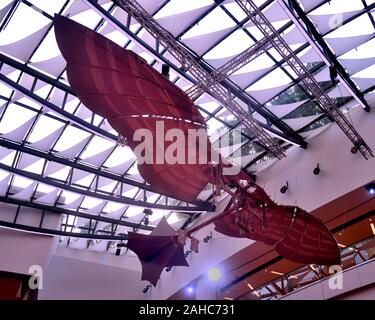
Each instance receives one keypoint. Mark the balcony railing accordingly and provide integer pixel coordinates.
(353, 255)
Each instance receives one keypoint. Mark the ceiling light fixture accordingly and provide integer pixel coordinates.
(316, 170)
(214, 274)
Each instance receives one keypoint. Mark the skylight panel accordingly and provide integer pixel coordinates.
(50, 7)
(14, 75)
(69, 197)
(109, 187)
(209, 106)
(157, 214)
(35, 167)
(367, 73)
(44, 91)
(85, 181)
(255, 32)
(177, 6)
(338, 6)
(119, 155)
(234, 44)
(130, 193)
(47, 49)
(29, 103)
(14, 117)
(360, 26)
(44, 188)
(61, 174)
(89, 202)
(365, 50)
(214, 21)
(262, 62)
(133, 170)
(235, 10)
(5, 91)
(70, 137)
(117, 37)
(274, 79)
(7, 159)
(133, 211)
(215, 126)
(21, 182)
(88, 18)
(71, 105)
(97, 145)
(15, 30)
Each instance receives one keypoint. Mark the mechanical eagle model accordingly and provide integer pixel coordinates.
(120, 86)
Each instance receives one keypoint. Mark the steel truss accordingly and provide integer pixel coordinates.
(284, 132)
(205, 80)
(326, 54)
(311, 84)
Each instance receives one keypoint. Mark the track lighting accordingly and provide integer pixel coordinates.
(316, 170)
(284, 188)
(354, 150)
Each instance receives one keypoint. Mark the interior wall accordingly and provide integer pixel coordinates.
(341, 171)
(20, 250)
(71, 278)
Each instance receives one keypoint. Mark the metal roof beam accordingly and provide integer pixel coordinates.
(57, 210)
(119, 199)
(324, 51)
(77, 165)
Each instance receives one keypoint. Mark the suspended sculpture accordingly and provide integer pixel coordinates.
(120, 86)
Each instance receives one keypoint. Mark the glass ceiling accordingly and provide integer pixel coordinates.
(55, 153)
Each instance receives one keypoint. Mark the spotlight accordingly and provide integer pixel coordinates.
(147, 211)
(146, 288)
(207, 238)
(165, 70)
(146, 221)
(354, 150)
(119, 246)
(214, 274)
(284, 188)
(169, 268)
(187, 253)
(316, 170)
(371, 188)
(190, 290)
